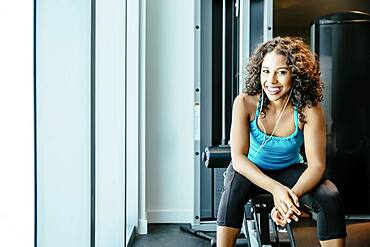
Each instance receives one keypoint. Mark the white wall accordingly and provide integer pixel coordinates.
(16, 124)
(169, 107)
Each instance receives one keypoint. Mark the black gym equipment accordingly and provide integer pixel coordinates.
(341, 41)
(257, 220)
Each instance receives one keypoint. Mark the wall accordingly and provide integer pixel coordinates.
(169, 107)
(17, 124)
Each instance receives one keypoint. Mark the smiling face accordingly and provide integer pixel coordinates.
(276, 77)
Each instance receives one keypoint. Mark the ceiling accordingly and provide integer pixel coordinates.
(300, 13)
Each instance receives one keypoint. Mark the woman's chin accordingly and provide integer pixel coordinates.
(273, 96)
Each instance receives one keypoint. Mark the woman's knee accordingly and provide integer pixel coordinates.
(226, 236)
(327, 195)
(327, 190)
(329, 209)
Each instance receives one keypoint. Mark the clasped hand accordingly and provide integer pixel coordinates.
(286, 205)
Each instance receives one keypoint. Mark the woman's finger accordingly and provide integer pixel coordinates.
(278, 215)
(279, 209)
(294, 217)
(283, 207)
(294, 197)
(283, 220)
(290, 212)
(277, 218)
(294, 209)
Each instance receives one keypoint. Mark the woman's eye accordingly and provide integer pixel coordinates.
(265, 71)
(282, 72)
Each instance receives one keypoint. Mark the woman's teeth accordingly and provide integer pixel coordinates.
(273, 90)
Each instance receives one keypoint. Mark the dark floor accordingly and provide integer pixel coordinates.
(170, 235)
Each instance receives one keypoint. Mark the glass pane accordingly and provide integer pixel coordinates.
(63, 123)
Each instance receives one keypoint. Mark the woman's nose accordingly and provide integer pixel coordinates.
(271, 78)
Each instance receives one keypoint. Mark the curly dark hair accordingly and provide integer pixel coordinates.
(308, 87)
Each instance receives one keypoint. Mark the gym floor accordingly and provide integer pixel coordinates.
(170, 235)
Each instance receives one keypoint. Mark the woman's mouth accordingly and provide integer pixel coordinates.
(273, 90)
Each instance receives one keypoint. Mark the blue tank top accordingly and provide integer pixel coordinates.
(279, 152)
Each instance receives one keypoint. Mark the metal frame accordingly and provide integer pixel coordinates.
(261, 225)
(268, 19)
(196, 113)
(242, 9)
(244, 30)
(223, 69)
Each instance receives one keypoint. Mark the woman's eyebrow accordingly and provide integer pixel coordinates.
(282, 67)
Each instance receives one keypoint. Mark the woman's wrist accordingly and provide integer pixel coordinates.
(297, 192)
(274, 186)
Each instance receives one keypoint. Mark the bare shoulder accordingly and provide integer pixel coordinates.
(314, 113)
(246, 104)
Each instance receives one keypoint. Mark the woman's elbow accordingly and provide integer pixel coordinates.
(319, 169)
(236, 161)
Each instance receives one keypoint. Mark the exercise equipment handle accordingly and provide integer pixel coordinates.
(217, 156)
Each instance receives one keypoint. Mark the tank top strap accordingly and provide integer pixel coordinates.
(258, 107)
(296, 116)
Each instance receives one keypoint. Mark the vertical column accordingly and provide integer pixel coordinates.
(63, 108)
(244, 28)
(110, 122)
(143, 222)
(132, 120)
(197, 113)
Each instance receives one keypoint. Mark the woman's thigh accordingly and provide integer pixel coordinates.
(290, 175)
(325, 201)
(324, 197)
(236, 193)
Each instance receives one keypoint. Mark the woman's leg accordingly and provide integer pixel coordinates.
(236, 193)
(338, 242)
(325, 200)
(226, 236)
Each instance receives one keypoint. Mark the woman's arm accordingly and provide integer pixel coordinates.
(239, 135)
(315, 147)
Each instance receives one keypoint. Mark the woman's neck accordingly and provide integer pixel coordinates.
(278, 106)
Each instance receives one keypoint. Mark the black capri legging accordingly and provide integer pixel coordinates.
(324, 200)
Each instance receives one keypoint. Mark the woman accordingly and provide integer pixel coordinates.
(277, 112)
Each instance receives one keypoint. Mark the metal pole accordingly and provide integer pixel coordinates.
(223, 72)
